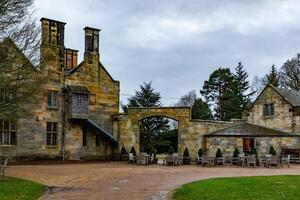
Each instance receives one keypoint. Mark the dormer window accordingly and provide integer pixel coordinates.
(268, 109)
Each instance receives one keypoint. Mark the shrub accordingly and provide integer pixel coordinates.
(186, 153)
(219, 153)
(272, 151)
(123, 151)
(171, 150)
(132, 150)
(254, 152)
(236, 153)
(200, 152)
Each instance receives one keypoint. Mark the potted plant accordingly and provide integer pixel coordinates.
(219, 153)
(272, 151)
(236, 153)
(124, 154)
(186, 157)
(200, 152)
(132, 150)
(171, 150)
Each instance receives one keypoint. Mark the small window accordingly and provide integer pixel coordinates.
(84, 137)
(97, 140)
(7, 133)
(268, 109)
(51, 134)
(52, 99)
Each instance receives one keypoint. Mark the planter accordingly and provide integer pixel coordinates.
(186, 160)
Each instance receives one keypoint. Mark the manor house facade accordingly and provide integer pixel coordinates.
(78, 115)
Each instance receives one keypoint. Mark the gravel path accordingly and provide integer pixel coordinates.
(111, 181)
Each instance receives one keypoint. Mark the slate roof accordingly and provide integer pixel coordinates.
(78, 89)
(247, 129)
(292, 96)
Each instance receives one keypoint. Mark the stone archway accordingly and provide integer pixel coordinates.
(128, 124)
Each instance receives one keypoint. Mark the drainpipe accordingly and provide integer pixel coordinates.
(63, 113)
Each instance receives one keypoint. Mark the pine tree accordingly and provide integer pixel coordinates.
(272, 77)
(241, 77)
(221, 91)
(201, 110)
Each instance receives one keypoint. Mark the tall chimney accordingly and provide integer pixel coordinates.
(91, 40)
(53, 32)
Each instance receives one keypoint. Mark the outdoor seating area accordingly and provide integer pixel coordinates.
(237, 159)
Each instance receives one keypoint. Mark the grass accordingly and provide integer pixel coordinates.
(14, 188)
(241, 188)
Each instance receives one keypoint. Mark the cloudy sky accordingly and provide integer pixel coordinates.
(176, 44)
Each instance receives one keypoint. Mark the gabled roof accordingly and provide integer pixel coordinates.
(291, 96)
(247, 129)
(78, 89)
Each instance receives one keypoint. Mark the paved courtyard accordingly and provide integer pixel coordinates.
(122, 181)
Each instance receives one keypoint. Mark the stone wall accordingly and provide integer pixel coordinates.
(262, 144)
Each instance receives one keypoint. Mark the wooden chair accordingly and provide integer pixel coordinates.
(205, 161)
(142, 160)
(3, 167)
(262, 161)
(251, 160)
(220, 161)
(170, 160)
(151, 159)
(235, 161)
(285, 160)
(179, 160)
(273, 161)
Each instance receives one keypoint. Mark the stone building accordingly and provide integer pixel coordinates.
(77, 114)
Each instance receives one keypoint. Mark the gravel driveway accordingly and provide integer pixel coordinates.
(116, 180)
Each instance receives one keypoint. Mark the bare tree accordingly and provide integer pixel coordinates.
(257, 86)
(290, 73)
(20, 72)
(187, 100)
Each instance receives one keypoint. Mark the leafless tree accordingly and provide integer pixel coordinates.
(290, 73)
(20, 72)
(187, 100)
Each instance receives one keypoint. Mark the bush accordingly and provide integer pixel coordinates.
(200, 152)
(186, 153)
(171, 150)
(219, 153)
(254, 152)
(236, 153)
(272, 151)
(132, 150)
(123, 151)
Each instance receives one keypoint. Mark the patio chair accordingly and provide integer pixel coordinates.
(227, 160)
(205, 161)
(242, 161)
(235, 161)
(151, 159)
(141, 160)
(251, 160)
(220, 161)
(3, 167)
(179, 160)
(273, 161)
(170, 160)
(199, 160)
(262, 161)
(285, 160)
(131, 158)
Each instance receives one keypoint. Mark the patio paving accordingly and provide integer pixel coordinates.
(115, 180)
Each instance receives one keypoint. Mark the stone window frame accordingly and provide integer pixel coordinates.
(268, 109)
(52, 99)
(51, 134)
(8, 133)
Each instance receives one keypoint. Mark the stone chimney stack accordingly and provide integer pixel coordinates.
(91, 40)
(53, 32)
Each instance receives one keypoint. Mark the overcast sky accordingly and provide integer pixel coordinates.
(178, 43)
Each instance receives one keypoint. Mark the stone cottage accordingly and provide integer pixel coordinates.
(77, 114)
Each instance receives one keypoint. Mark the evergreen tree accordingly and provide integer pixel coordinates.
(272, 77)
(221, 91)
(241, 77)
(201, 110)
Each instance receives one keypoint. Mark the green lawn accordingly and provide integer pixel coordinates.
(14, 188)
(241, 188)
